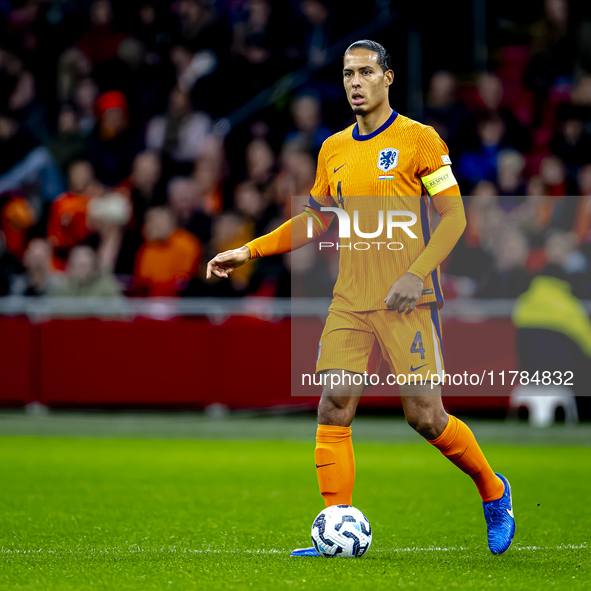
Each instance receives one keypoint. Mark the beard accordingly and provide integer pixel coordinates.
(359, 111)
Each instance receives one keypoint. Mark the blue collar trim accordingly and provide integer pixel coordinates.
(369, 136)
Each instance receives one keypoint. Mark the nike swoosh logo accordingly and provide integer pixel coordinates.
(415, 368)
(511, 513)
(339, 168)
(322, 465)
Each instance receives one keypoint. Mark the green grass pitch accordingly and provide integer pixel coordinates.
(125, 513)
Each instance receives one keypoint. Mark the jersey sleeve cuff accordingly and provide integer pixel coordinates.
(414, 271)
(254, 254)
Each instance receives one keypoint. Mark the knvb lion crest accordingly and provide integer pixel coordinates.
(388, 159)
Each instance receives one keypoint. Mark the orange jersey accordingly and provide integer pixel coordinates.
(67, 225)
(164, 268)
(16, 217)
(383, 180)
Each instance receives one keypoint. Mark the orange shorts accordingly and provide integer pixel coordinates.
(358, 341)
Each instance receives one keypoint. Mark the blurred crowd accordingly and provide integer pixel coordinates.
(115, 178)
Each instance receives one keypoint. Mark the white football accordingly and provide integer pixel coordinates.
(341, 530)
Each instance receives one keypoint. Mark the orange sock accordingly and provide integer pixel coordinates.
(458, 444)
(335, 464)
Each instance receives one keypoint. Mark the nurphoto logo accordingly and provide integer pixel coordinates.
(403, 220)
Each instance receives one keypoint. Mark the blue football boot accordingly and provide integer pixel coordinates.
(500, 523)
(305, 552)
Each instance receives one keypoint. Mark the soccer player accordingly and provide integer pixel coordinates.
(386, 301)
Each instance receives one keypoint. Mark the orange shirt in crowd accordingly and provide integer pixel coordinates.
(582, 227)
(546, 210)
(16, 218)
(66, 226)
(162, 268)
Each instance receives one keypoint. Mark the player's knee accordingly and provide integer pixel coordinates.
(428, 424)
(336, 410)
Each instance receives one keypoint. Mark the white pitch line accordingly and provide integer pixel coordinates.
(175, 550)
(462, 548)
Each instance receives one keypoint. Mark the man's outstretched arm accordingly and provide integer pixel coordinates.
(405, 293)
(291, 235)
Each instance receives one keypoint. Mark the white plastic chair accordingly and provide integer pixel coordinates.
(542, 402)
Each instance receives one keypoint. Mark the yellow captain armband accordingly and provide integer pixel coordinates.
(443, 178)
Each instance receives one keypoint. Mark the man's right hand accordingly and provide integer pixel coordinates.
(224, 263)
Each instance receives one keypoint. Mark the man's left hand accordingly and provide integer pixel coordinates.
(405, 294)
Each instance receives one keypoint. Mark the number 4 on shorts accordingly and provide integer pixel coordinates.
(417, 345)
